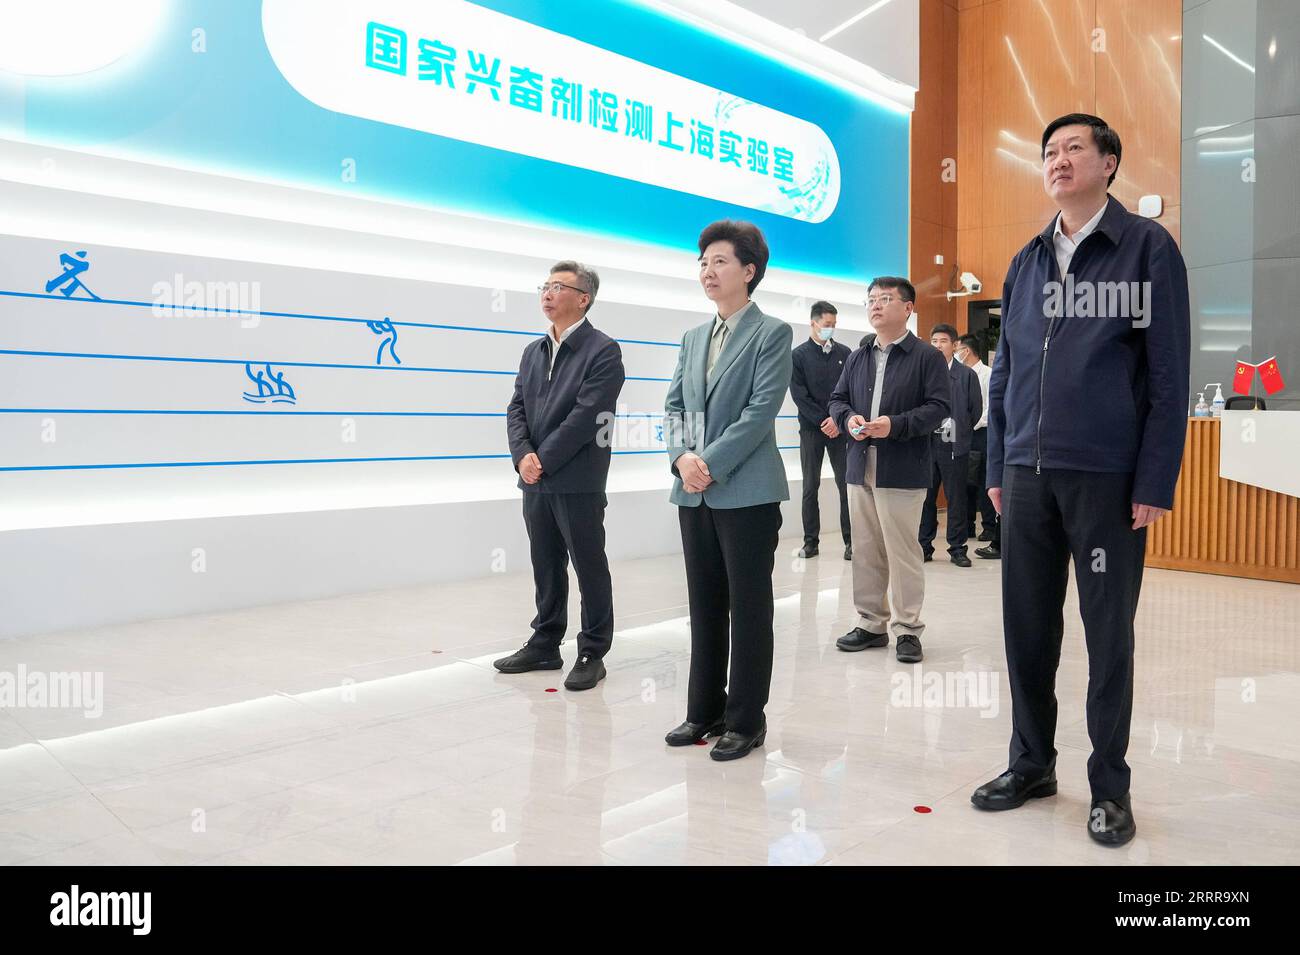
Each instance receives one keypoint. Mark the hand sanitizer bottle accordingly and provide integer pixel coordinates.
(1202, 410)
(1217, 405)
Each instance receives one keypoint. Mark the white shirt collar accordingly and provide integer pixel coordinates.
(568, 331)
(906, 332)
(1084, 231)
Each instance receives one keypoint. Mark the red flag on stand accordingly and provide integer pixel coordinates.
(1244, 375)
(1270, 377)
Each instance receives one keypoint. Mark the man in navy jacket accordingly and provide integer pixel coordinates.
(893, 393)
(951, 444)
(559, 424)
(1087, 421)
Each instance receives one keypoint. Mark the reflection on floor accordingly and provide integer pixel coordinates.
(372, 729)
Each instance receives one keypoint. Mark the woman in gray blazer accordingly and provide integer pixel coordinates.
(732, 376)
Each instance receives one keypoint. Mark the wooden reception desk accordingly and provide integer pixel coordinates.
(1226, 527)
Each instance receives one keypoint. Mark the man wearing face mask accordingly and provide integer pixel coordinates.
(818, 362)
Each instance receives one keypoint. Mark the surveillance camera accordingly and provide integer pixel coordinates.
(970, 283)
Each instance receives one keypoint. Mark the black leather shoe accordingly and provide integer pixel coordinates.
(848, 551)
(586, 673)
(1011, 791)
(807, 551)
(929, 556)
(992, 552)
(529, 658)
(688, 734)
(986, 536)
(859, 639)
(961, 560)
(1110, 821)
(908, 648)
(733, 745)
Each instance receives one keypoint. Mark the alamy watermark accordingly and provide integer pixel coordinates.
(1130, 301)
(242, 299)
(976, 689)
(55, 690)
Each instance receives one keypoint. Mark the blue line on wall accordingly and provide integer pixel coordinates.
(285, 364)
(310, 317)
(224, 464)
(322, 414)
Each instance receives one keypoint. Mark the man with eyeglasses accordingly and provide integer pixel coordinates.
(893, 393)
(558, 423)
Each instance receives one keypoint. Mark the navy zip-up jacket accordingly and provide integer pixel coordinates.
(917, 396)
(558, 415)
(812, 379)
(967, 408)
(1077, 382)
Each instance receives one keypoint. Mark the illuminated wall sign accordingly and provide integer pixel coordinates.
(474, 108)
(476, 75)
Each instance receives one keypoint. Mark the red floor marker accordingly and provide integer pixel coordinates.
(551, 689)
(921, 809)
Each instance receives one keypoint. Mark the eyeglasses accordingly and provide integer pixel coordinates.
(874, 300)
(556, 286)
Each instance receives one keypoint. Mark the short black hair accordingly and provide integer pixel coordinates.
(971, 342)
(906, 291)
(746, 238)
(1107, 139)
(945, 329)
(823, 308)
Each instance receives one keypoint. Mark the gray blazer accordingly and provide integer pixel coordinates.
(729, 419)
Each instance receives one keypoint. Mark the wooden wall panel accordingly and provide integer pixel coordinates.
(1021, 63)
(1223, 527)
(933, 216)
(1139, 91)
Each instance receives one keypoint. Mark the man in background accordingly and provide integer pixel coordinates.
(977, 498)
(951, 442)
(818, 362)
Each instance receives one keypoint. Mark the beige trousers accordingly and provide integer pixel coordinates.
(887, 558)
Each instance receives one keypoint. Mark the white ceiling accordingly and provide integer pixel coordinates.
(887, 40)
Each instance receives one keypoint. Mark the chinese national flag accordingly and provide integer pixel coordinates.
(1245, 374)
(1270, 377)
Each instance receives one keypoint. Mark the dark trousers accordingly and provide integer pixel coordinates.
(729, 556)
(951, 473)
(560, 527)
(977, 492)
(812, 443)
(1048, 520)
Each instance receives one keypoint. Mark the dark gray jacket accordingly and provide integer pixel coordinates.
(559, 414)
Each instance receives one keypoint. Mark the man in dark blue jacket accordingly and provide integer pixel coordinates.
(817, 364)
(951, 445)
(1087, 421)
(894, 391)
(559, 423)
